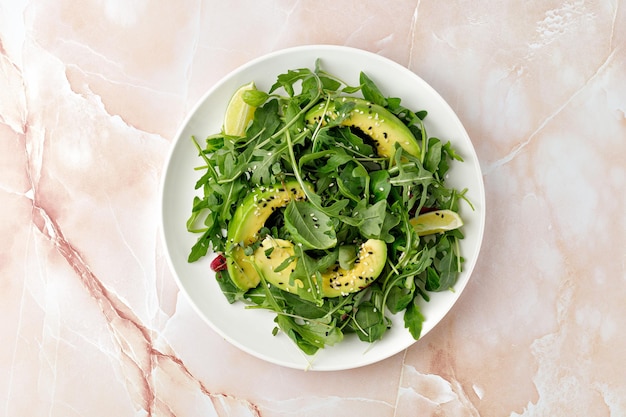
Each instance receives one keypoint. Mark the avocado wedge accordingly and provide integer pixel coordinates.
(336, 281)
(382, 126)
(247, 222)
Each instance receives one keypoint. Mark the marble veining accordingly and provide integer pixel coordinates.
(91, 96)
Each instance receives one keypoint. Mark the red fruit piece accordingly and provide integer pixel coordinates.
(218, 263)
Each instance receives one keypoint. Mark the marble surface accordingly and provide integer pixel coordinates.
(91, 320)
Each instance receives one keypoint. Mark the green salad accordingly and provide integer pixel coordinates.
(326, 203)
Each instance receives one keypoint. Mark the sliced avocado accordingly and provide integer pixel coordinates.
(240, 268)
(367, 267)
(336, 281)
(270, 256)
(377, 122)
(244, 228)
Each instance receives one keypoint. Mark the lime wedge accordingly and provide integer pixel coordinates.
(238, 113)
(436, 222)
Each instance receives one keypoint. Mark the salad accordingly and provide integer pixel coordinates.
(326, 204)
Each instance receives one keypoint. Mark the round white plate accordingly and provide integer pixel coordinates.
(251, 330)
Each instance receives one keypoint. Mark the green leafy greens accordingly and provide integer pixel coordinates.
(356, 195)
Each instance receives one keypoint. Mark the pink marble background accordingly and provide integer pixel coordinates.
(91, 321)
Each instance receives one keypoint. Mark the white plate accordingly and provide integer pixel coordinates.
(251, 330)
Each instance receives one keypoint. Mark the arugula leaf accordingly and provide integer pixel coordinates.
(255, 98)
(299, 307)
(201, 247)
(449, 265)
(197, 212)
(329, 84)
(346, 256)
(399, 298)
(354, 144)
(288, 79)
(337, 159)
(350, 185)
(380, 184)
(373, 218)
(390, 222)
(370, 90)
(312, 334)
(413, 320)
(309, 226)
(230, 290)
(370, 322)
(432, 279)
(307, 272)
(266, 121)
(433, 155)
(450, 154)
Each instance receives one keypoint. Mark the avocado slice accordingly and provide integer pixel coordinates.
(366, 269)
(384, 127)
(336, 281)
(269, 256)
(244, 228)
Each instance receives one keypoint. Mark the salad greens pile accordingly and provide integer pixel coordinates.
(356, 195)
